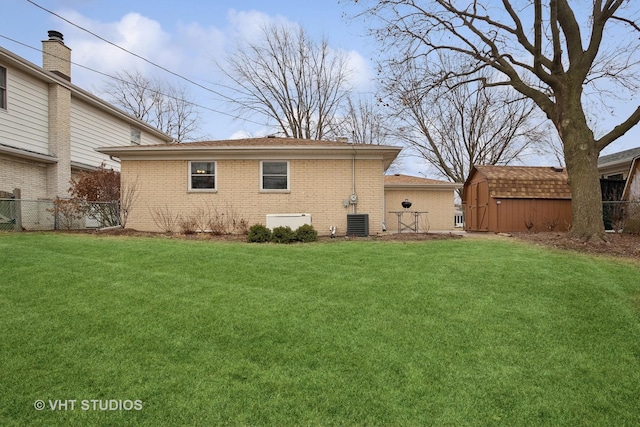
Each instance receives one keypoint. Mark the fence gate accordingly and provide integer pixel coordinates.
(7, 211)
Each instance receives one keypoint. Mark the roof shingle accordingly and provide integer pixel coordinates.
(526, 182)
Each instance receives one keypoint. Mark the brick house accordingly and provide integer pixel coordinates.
(49, 128)
(258, 179)
(433, 199)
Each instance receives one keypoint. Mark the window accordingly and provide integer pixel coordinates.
(202, 176)
(135, 136)
(3, 88)
(274, 175)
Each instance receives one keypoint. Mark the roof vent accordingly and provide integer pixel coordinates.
(271, 136)
(55, 36)
(557, 169)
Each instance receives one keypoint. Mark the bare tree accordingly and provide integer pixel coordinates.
(564, 54)
(288, 78)
(454, 128)
(365, 122)
(166, 107)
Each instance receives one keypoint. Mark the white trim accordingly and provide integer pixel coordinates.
(215, 177)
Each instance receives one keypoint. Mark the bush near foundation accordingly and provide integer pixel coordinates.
(306, 233)
(258, 233)
(283, 234)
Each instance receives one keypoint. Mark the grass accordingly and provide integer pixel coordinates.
(454, 332)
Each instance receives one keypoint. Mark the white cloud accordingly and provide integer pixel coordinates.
(248, 25)
(363, 76)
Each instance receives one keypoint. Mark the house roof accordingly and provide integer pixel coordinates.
(256, 148)
(525, 182)
(49, 77)
(620, 157)
(407, 182)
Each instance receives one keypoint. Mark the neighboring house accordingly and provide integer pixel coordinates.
(432, 203)
(283, 180)
(616, 166)
(517, 198)
(632, 186)
(614, 170)
(631, 195)
(49, 128)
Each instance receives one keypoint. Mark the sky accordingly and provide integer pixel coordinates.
(186, 38)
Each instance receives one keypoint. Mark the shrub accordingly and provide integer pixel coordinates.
(258, 233)
(189, 224)
(283, 234)
(66, 213)
(306, 233)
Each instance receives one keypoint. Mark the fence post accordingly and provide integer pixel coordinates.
(17, 208)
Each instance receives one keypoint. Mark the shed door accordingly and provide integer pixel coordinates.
(478, 203)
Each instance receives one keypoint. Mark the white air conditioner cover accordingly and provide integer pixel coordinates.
(293, 220)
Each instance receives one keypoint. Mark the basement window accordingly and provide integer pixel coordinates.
(202, 176)
(3, 88)
(274, 176)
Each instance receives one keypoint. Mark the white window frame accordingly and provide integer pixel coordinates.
(274, 190)
(3, 89)
(215, 177)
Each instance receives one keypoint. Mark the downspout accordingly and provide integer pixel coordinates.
(353, 176)
(384, 201)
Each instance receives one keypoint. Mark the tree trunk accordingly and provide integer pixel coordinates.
(581, 157)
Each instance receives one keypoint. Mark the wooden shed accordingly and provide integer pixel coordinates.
(517, 198)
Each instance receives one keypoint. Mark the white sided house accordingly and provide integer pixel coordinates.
(50, 128)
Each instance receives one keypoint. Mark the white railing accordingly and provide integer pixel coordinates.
(458, 220)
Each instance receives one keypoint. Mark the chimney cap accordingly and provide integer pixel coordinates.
(55, 36)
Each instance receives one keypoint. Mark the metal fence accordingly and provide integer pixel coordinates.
(622, 216)
(59, 214)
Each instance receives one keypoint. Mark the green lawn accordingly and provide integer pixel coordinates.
(351, 333)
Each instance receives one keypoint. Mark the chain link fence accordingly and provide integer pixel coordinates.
(59, 214)
(622, 216)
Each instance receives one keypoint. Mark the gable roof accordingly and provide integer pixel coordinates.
(41, 74)
(620, 157)
(399, 181)
(525, 182)
(256, 148)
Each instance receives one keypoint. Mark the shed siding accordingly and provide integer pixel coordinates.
(25, 122)
(316, 187)
(513, 215)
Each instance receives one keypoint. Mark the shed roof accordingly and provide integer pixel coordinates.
(525, 182)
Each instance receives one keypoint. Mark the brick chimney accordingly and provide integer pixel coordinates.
(56, 56)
